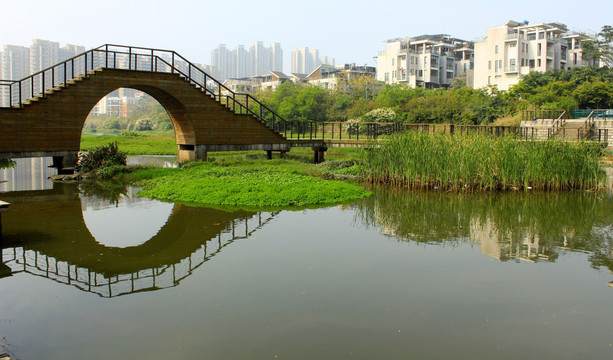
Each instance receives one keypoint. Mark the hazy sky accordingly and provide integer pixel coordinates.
(350, 31)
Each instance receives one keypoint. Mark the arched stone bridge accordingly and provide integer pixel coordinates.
(44, 114)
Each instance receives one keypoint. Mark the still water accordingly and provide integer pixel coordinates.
(92, 273)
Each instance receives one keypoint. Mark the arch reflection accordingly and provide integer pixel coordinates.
(45, 235)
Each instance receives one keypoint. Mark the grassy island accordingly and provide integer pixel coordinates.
(249, 184)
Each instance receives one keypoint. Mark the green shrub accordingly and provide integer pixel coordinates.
(7, 163)
(144, 125)
(106, 155)
(113, 124)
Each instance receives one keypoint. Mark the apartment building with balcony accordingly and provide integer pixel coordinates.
(329, 76)
(429, 61)
(517, 48)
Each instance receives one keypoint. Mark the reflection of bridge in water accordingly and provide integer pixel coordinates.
(61, 248)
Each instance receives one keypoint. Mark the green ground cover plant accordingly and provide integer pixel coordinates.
(245, 186)
(133, 143)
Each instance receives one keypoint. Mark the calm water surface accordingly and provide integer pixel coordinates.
(98, 273)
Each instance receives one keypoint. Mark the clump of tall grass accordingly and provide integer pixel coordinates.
(481, 162)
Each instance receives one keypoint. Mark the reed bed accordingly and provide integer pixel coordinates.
(481, 162)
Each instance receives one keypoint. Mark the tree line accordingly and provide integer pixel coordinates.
(357, 99)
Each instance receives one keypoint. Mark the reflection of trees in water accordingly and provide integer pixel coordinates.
(506, 226)
(107, 190)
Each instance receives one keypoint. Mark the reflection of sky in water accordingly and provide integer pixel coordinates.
(130, 222)
(165, 161)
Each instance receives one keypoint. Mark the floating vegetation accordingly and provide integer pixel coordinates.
(483, 163)
(244, 187)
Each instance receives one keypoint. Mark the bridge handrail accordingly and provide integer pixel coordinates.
(584, 130)
(36, 84)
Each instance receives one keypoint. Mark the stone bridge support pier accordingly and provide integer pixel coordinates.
(65, 164)
(318, 154)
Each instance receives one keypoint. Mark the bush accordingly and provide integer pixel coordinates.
(6, 164)
(131, 134)
(101, 156)
(113, 124)
(143, 125)
(165, 124)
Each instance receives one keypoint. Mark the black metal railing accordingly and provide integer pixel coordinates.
(365, 131)
(538, 114)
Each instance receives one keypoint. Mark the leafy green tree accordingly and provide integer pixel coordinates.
(595, 95)
(600, 48)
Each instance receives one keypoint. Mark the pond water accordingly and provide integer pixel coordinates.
(92, 274)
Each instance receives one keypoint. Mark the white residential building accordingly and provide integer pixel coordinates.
(328, 76)
(517, 48)
(429, 61)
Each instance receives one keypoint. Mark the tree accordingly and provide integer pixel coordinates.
(599, 49)
(595, 95)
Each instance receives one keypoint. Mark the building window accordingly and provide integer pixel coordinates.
(393, 61)
(538, 49)
(489, 80)
(575, 58)
(496, 66)
(500, 64)
(387, 77)
(532, 36)
(496, 49)
(531, 62)
(421, 73)
(489, 65)
(539, 62)
(542, 35)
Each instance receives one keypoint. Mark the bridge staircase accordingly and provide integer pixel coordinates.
(575, 129)
(44, 84)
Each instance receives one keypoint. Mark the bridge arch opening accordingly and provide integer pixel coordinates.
(141, 109)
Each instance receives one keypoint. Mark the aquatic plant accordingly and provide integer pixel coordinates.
(480, 162)
(244, 187)
(101, 156)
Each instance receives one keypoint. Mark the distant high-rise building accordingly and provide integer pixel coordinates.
(221, 62)
(43, 54)
(305, 60)
(240, 63)
(15, 62)
(276, 56)
(18, 62)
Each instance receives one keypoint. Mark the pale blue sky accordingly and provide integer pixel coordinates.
(350, 31)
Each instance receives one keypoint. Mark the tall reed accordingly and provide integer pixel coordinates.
(481, 162)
